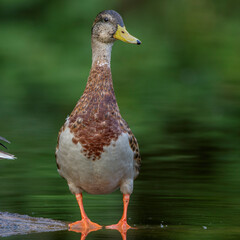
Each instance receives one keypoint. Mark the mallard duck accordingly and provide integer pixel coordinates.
(96, 151)
(4, 155)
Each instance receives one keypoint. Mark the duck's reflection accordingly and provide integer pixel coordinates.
(84, 232)
(123, 233)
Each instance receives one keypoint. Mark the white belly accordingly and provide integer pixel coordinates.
(114, 169)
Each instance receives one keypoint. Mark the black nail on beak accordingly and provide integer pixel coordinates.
(138, 42)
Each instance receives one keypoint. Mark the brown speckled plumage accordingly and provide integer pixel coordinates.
(96, 120)
(96, 150)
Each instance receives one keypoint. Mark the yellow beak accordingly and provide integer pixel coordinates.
(123, 35)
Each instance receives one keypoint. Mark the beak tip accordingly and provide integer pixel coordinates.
(138, 42)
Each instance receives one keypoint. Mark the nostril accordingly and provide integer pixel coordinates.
(138, 42)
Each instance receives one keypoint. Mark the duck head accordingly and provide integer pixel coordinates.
(108, 27)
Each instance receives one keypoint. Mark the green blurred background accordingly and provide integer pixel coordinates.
(179, 91)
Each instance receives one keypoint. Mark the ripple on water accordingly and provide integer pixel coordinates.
(13, 223)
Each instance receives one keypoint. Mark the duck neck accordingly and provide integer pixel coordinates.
(101, 53)
(99, 88)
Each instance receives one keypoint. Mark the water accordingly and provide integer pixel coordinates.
(188, 187)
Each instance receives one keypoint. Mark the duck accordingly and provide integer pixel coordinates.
(96, 151)
(4, 155)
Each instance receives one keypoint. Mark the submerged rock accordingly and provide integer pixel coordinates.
(13, 223)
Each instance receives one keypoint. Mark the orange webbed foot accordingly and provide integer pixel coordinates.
(84, 225)
(121, 226)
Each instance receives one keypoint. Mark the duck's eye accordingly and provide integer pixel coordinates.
(105, 19)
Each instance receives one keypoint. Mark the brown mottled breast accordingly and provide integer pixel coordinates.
(96, 120)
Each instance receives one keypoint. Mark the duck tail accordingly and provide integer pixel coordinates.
(4, 155)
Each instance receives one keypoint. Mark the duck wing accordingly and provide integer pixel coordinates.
(134, 146)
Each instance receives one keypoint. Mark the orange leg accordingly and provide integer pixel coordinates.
(122, 225)
(85, 225)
